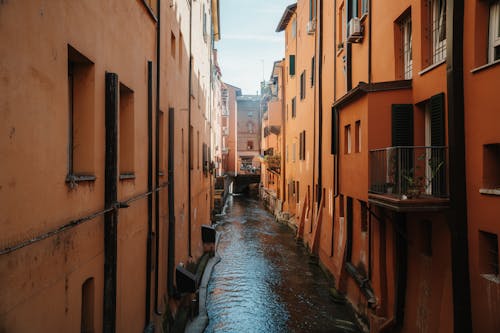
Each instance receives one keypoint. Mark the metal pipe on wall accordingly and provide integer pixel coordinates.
(110, 201)
(157, 158)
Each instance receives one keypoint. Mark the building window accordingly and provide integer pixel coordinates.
(294, 28)
(191, 147)
(494, 43)
(312, 9)
(126, 131)
(491, 166)
(405, 46)
(357, 144)
(294, 148)
(181, 44)
(313, 70)
(347, 133)
(364, 7)
(198, 150)
(205, 34)
(488, 253)
(438, 29)
(342, 27)
(250, 127)
(303, 85)
(364, 216)
(250, 145)
(294, 109)
(87, 314)
(81, 86)
(302, 145)
(172, 44)
(292, 64)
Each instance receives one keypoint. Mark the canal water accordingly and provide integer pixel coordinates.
(265, 281)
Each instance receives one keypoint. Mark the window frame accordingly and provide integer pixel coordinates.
(437, 16)
(494, 31)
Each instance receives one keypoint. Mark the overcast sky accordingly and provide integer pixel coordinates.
(248, 37)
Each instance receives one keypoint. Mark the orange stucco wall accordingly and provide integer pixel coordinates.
(34, 194)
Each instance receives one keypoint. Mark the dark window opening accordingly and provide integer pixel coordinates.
(488, 253)
(87, 314)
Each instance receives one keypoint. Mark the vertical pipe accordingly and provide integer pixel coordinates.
(150, 196)
(349, 15)
(157, 157)
(171, 198)
(191, 143)
(457, 216)
(320, 105)
(110, 198)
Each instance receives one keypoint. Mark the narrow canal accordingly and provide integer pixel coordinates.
(265, 281)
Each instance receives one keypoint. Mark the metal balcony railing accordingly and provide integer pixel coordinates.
(409, 172)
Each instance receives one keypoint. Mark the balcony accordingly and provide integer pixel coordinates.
(409, 179)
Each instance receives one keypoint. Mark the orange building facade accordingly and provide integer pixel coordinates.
(103, 117)
(386, 198)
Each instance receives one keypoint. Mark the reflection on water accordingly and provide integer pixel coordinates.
(264, 282)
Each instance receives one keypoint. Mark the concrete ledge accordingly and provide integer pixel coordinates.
(198, 324)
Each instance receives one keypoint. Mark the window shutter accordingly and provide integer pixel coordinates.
(292, 64)
(334, 143)
(304, 145)
(402, 125)
(436, 106)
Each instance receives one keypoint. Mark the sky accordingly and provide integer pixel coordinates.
(248, 39)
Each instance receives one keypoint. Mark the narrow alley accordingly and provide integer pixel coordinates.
(266, 281)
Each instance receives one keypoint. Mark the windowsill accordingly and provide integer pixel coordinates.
(492, 278)
(486, 66)
(490, 191)
(127, 176)
(79, 178)
(431, 67)
(161, 173)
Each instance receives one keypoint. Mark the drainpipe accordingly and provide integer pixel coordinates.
(370, 15)
(320, 106)
(191, 135)
(157, 157)
(457, 215)
(110, 201)
(171, 200)
(348, 47)
(150, 198)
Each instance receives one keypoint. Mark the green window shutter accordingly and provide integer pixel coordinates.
(436, 106)
(402, 125)
(292, 64)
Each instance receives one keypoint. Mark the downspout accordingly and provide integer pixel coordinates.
(157, 157)
(369, 41)
(191, 134)
(171, 200)
(315, 188)
(457, 216)
(320, 105)
(110, 201)
(150, 198)
(283, 139)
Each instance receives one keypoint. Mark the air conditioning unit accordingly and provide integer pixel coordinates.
(311, 27)
(354, 30)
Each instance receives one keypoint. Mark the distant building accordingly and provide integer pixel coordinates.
(229, 128)
(248, 133)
